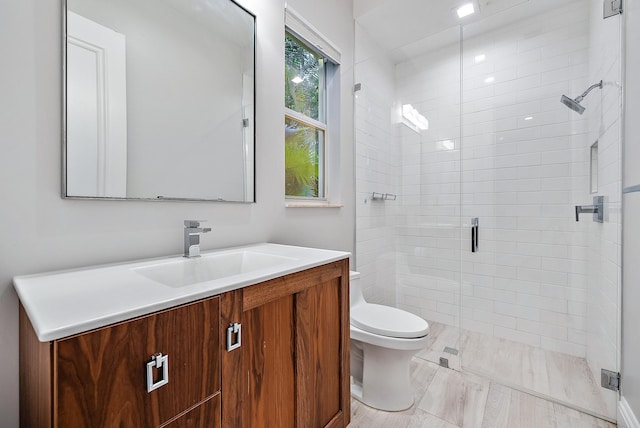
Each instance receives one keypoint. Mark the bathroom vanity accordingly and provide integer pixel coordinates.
(248, 337)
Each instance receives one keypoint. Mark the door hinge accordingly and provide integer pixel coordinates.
(610, 380)
(444, 362)
(612, 8)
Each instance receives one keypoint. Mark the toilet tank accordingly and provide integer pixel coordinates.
(355, 291)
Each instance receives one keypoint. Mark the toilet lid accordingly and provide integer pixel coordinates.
(388, 321)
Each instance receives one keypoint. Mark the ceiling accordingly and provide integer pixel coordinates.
(406, 28)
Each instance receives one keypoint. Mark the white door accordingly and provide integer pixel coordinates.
(96, 109)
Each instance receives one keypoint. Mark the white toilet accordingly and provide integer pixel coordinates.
(383, 340)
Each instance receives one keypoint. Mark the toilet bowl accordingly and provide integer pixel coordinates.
(383, 341)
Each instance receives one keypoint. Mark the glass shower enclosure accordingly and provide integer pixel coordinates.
(469, 170)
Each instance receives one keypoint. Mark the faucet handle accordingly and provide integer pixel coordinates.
(193, 223)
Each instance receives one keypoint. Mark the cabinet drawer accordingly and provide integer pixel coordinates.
(206, 415)
(100, 377)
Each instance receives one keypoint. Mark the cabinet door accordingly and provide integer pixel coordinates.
(270, 365)
(318, 355)
(100, 376)
(295, 351)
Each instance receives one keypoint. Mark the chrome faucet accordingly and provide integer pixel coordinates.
(192, 232)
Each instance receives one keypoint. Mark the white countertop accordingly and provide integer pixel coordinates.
(61, 304)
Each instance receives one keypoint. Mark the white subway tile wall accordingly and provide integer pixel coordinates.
(377, 170)
(429, 258)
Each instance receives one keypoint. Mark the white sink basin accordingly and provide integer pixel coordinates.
(180, 273)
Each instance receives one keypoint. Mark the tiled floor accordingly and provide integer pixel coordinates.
(447, 398)
(565, 378)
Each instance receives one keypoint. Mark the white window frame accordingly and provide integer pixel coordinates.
(314, 40)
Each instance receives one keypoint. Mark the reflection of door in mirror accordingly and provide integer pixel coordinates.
(247, 135)
(96, 110)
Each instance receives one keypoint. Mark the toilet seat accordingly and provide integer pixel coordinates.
(388, 321)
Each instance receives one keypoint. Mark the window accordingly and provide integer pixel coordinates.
(304, 121)
(309, 92)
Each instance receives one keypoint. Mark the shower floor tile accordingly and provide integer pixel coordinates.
(564, 378)
(447, 398)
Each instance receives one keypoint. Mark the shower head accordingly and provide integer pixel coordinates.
(575, 104)
(572, 104)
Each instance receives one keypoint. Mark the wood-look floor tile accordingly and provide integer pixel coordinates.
(569, 418)
(458, 400)
(422, 374)
(422, 419)
(533, 370)
(571, 381)
(563, 377)
(456, 397)
(441, 336)
(508, 408)
(477, 352)
(366, 417)
(496, 411)
(511, 362)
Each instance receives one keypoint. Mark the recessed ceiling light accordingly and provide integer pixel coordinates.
(489, 79)
(479, 58)
(528, 118)
(297, 79)
(465, 10)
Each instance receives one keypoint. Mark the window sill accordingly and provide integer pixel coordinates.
(300, 204)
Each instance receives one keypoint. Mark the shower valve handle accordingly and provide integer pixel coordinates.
(597, 209)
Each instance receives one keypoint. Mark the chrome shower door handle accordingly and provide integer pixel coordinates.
(475, 226)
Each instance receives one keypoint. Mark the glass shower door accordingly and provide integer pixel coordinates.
(540, 295)
(408, 180)
(429, 232)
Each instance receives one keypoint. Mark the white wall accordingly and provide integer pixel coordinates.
(631, 275)
(40, 232)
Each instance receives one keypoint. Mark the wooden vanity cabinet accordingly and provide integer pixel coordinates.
(290, 370)
(99, 378)
(293, 365)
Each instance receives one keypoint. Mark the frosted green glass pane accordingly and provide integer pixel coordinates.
(303, 159)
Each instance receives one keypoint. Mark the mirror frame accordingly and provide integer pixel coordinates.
(158, 199)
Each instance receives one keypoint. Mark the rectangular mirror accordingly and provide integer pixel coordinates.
(159, 100)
